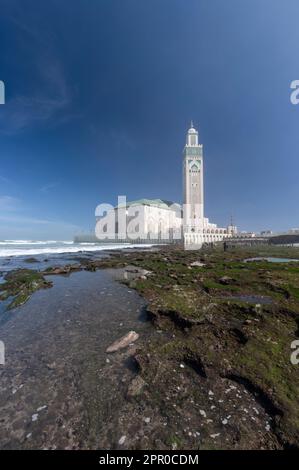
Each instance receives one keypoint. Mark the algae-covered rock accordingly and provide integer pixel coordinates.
(20, 284)
(227, 329)
(67, 269)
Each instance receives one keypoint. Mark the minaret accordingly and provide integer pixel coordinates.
(193, 181)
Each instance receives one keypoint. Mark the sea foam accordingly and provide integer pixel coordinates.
(10, 248)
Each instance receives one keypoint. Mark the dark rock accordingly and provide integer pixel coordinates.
(226, 280)
(135, 387)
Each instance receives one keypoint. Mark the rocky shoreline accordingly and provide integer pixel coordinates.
(217, 372)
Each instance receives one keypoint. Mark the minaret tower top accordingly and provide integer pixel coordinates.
(192, 137)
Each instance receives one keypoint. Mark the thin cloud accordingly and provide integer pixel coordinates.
(36, 221)
(11, 218)
(49, 102)
(24, 111)
(9, 203)
(3, 179)
(48, 187)
(16, 13)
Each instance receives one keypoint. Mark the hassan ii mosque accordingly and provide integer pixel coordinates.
(161, 221)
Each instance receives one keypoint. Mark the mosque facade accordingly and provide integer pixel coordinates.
(161, 221)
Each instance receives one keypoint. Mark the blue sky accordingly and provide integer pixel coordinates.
(100, 93)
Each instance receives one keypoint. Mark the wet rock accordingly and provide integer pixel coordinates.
(123, 342)
(132, 284)
(132, 269)
(198, 264)
(62, 269)
(31, 260)
(133, 273)
(226, 280)
(135, 387)
(90, 267)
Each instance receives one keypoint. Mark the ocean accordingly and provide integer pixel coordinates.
(41, 254)
(9, 248)
(57, 373)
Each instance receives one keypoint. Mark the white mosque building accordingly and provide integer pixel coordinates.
(161, 221)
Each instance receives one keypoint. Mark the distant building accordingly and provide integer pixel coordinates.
(244, 234)
(266, 233)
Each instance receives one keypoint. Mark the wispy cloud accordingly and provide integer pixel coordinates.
(9, 203)
(48, 187)
(3, 179)
(52, 101)
(49, 102)
(25, 221)
(25, 20)
(12, 218)
(18, 226)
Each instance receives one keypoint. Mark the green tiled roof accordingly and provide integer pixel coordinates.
(150, 202)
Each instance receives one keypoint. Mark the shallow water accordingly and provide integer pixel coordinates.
(273, 260)
(252, 299)
(59, 388)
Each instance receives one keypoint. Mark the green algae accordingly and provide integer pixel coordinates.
(232, 337)
(21, 284)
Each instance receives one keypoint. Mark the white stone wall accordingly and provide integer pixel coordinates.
(194, 240)
(162, 223)
(142, 221)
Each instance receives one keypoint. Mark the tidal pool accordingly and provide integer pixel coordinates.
(59, 389)
(252, 299)
(272, 260)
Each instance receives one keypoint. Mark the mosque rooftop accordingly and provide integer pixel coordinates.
(162, 203)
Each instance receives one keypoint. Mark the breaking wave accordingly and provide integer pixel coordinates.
(10, 248)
